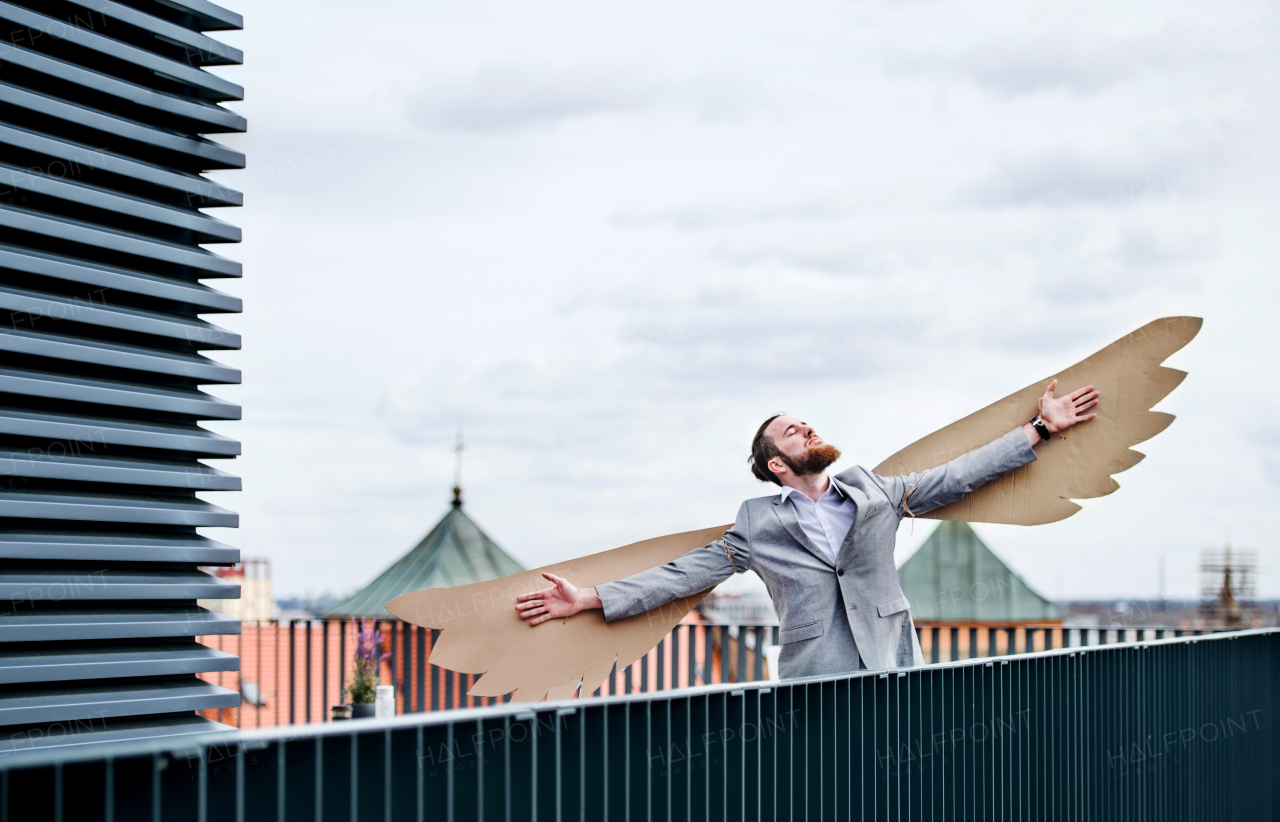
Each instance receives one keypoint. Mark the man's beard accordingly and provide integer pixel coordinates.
(814, 461)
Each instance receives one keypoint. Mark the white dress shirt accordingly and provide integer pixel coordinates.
(825, 522)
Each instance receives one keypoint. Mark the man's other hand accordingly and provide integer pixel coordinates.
(564, 600)
(1060, 413)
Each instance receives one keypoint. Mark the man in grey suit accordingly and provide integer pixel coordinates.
(823, 546)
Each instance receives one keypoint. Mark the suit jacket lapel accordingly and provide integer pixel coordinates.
(787, 514)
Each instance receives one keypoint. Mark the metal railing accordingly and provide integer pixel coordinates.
(1174, 729)
(291, 671)
(951, 643)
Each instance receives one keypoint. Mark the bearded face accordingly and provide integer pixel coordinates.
(814, 460)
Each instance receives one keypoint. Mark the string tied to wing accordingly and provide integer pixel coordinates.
(906, 495)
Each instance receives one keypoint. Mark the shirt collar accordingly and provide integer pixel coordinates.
(787, 491)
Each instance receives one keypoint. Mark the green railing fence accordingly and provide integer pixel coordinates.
(291, 671)
(1173, 729)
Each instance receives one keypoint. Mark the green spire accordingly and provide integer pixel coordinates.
(455, 552)
(955, 577)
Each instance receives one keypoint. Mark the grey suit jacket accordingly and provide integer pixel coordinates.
(830, 614)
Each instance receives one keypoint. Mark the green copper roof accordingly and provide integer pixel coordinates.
(456, 552)
(955, 577)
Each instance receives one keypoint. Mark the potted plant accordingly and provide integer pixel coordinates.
(363, 690)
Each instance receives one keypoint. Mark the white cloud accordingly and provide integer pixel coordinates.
(1124, 177)
(508, 97)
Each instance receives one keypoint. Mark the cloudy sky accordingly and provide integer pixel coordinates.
(615, 236)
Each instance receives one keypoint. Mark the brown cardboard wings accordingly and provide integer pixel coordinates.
(481, 632)
(1079, 463)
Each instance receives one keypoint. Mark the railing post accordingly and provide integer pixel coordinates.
(406, 684)
(725, 670)
(324, 670)
(421, 634)
(307, 675)
(292, 718)
(435, 673)
(342, 662)
(675, 656)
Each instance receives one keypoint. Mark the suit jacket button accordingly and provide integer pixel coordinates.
(840, 573)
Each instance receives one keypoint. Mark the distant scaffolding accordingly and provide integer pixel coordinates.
(1227, 583)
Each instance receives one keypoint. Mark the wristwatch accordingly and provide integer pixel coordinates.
(1041, 428)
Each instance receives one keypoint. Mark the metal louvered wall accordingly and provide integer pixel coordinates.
(102, 108)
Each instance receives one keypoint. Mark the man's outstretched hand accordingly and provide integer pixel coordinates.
(564, 600)
(1060, 413)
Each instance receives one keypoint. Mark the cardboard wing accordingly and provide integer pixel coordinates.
(1079, 463)
(481, 632)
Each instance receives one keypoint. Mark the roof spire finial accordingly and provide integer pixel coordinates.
(457, 466)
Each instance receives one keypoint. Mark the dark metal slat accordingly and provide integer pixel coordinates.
(435, 674)
(421, 657)
(292, 660)
(307, 676)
